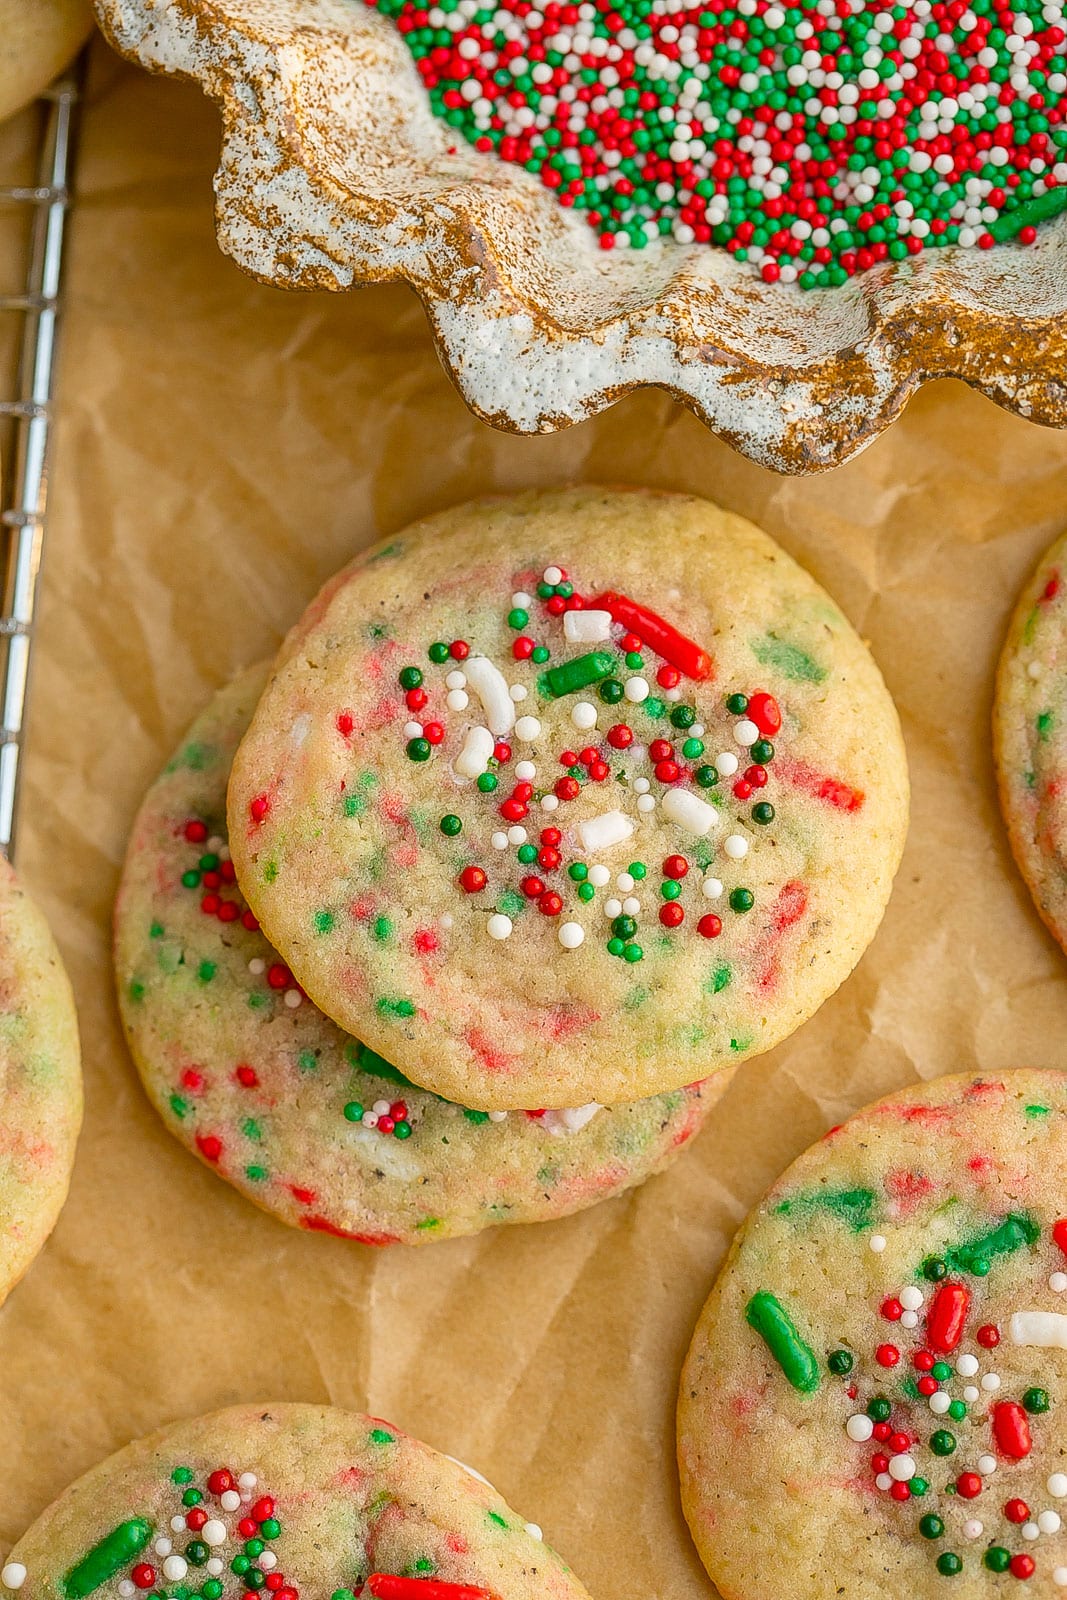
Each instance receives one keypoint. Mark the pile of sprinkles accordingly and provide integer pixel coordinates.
(812, 141)
(935, 1442)
(638, 738)
(219, 1544)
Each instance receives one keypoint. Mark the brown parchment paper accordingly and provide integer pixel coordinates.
(222, 449)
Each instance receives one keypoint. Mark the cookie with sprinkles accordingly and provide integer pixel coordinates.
(284, 1501)
(304, 1120)
(570, 796)
(875, 1399)
(40, 1080)
(1030, 737)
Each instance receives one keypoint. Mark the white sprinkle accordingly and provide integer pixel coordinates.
(370, 1119)
(727, 764)
(491, 687)
(268, 1560)
(230, 1500)
(1057, 1485)
(735, 846)
(552, 575)
(972, 1528)
(527, 728)
(213, 1532)
(859, 1427)
(14, 1575)
(571, 935)
(499, 841)
(635, 690)
(248, 1480)
(911, 1298)
(178, 1524)
(518, 691)
(127, 1587)
(967, 1366)
(293, 998)
(746, 732)
(876, 1243)
(612, 908)
(987, 1465)
(534, 1531)
(163, 1547)
(939, 1403)
(549, 802)
(883, 1481)
(476, 753)
(1059, 1577)
(457, 700)
(517, 833)
(456, 680)
(216, 845)
(1049, 1521)
(1029, 1530)
(696, 816)
(971, 1394)
(712, 888)
(1048, 1329)
(586, 627)
(1057, 1282)
(641, 786)
(909, 1319)
(498, 1116)
(499, 926)
(583, 713)
(445, 920)
(175, 1568)
(646, 802)
(599, 876)
(525, 770)
(380, 1108)
(631, 905)
(609, 828)
(990, 1381)
(902, 1467)
(256, 966)
(624, 882)
(1034, 670)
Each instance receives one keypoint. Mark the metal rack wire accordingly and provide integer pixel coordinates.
(27, 418)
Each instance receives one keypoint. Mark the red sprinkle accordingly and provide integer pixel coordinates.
(258, 808)
(764, 712)
(195, 832)
(988, 1336)
(892, 1310)
(459, 650)
(675, 867)
(1011, 1429)
(671, 915)
(1017, 1511)
(947, 1316)
(968, 1484)
(220, 1481)
(472, 879)
(709, 926)
(143, 1575)
(620, 736)
(660, 636)
(1059, 1233)
(1022, 1565)
(887, 1355)
(384, 1586)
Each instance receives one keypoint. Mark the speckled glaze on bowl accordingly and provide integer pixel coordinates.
(334, 172)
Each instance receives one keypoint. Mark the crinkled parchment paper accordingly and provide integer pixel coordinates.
(223, 448)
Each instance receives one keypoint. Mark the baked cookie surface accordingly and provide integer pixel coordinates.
(40, 1081)
(303, 1119)
(37, 40)
(875, 1399)
(331, 1502)
(540, 854)
(1030, 737)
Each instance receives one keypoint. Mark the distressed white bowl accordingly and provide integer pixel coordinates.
(334, 172)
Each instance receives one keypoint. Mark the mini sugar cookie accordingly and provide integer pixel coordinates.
(37, 40)
(572, 796)
(301, 1118)
(875, 1399)
(1030, 737)
(284, 1500)
(40, 1081)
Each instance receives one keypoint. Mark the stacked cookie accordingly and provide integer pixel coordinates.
(550, 812)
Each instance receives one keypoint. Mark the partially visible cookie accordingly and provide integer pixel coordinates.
(305, 1121)
(37, 39)
(571, 796)
(875, 1399)
(40, 1080)
(1030, 736)
(284, 1501)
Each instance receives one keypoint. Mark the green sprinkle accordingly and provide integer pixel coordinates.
(107, 1558)
(136, 990)
(632, 953)
(624, 927)
(353, 805)
(518, 618)
(270, 1529)
(438, 653)
(719, 980)
(487, 782)
(683, 717)
(191, 879)
(931, 1527)
(879, 1409)
(611, 691)
(737, 704)
(402, 1130)
(941, 1371)
(539, 653)
(419, 749)
(669, 889)
(324, 921)
(957, 1410)
(586, 891)
(307, 1060)
(854, 1207)
(209, 863)
(637, 869)
(942, 1443)
(742, 899)
(1036, 1400)
(179, 1106)
(1016, 1230)
(788, 659)
(450, 825)
(206, 971)
(949, 1563)
(1037, 1111)
(654, 707)
(182, 1475)
(477, 1117)
(353, 1111)
(571, 676)
(527, 853)
(614, 947)
(383, 929)
(379, 1436)
(501, 1522)
(934, 1269)
(257, 1174)
(918, 1486)
(706, 776)
(840, 1362)
(763, 813)
(693, 748)
(997, 1559)
(577, 870)
(770, 1319)
(1039, 209)
(410, 678)
(394, 1008)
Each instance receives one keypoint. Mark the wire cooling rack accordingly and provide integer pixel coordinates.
(26, 422)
